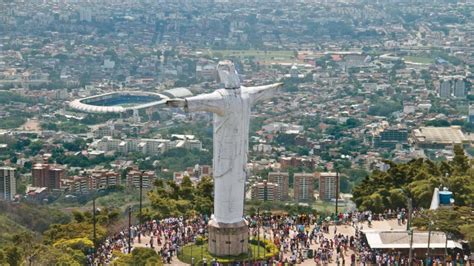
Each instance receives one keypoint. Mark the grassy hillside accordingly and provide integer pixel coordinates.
(36, 218)
(8, 228)
(33, 219)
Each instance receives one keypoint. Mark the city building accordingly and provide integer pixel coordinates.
(265, 191)
(438, 137)
(36, 194)
(445, 89)
(49, 176)
(85, 14)
(206, 70)
(471, 114)
(390, 137)
(103, 179)
(205, 170)
(7, 183)
(459, 88)
(282, 179)
(80, 185)
(133, 178)
(179, 176)
(145, 146)
(327, 186)
(287, 162)
(303, 186)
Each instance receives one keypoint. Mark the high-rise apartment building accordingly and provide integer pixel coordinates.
(103, 179)
(7, 183)
(390, 137)
(471, 114)
(45, 175)
(133, 178)
(80, 185)
(327, 186)
(459, 88)
(303, 186)
(282, 179)
(265, 191)
(445, 89)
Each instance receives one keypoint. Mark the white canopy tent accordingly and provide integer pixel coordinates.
(401, 240)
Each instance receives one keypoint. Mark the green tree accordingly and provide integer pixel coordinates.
(48, 255)
(418, 178)
(13, 256)
(460, 160)
(139, 257)
(170, 199)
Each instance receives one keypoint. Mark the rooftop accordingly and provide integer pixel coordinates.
(439, 135)
(401, 240)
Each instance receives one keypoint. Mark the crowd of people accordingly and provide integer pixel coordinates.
(298, 238)
(166, 235)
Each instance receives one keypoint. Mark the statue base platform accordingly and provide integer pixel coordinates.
(228, 239)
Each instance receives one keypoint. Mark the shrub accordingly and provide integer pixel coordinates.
(199, 240)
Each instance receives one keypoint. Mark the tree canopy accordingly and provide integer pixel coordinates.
(169, 199)
(44, 236)
(417, 180)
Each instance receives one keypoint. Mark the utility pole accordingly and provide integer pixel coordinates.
(337, 191)
(94, 222)
(446, 250)
(248, 246)
(410, 252)
(410, 207)
(192, 258)
(264, 247)
(140, 212)
(429, 240)
(129, 229)
(94, 225)
(258, 232)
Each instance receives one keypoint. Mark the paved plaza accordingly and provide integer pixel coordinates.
(341, 229)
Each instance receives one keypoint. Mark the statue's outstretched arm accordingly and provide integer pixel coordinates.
(260, 93)
(211, 102)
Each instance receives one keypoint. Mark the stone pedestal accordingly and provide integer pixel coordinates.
(228, 239)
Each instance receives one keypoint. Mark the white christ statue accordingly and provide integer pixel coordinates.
(231, 109)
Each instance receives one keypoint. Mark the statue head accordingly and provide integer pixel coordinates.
(227, 75)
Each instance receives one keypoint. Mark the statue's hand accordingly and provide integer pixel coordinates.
(177, 103)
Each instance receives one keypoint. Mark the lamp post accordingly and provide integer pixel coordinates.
(409, 207)
(94, 224)
(249, 249)
(202, 252)
(429, 240)
(258, 232)
(264, 247)
(129, 229)
(140, 211)
(410, 210)
(410, 251)
(446, 249)
(337, 191)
